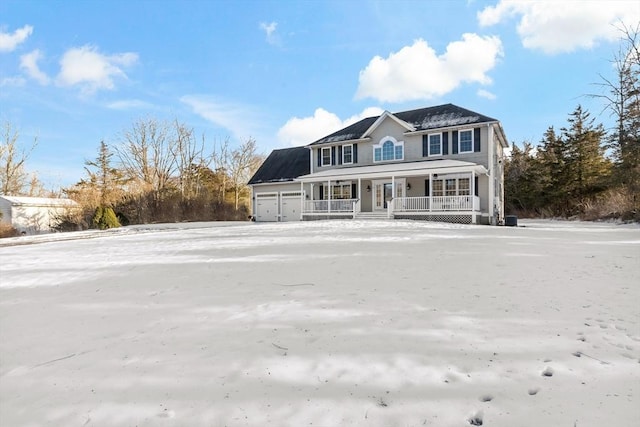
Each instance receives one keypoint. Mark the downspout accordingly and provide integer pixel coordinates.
(491, 200)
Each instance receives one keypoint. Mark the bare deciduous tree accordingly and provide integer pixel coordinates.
(243, 162)
(622, 99)
(221, 164)
(190, 158)
(146, 154)
(13, 176)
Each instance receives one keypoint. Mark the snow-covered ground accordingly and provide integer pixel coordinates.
(326, 323)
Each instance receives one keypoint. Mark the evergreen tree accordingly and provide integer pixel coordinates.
(552, 156)
(107, 179)
(523, 181)
(104, 218)
(587, 168)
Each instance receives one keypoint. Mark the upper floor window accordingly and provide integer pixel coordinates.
(388, 149)
(435, 144)
(347, 154)
(326, 156)
(465, 141)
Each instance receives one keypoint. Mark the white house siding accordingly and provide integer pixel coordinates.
(33, 215)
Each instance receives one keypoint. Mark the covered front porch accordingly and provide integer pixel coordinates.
(442, 190)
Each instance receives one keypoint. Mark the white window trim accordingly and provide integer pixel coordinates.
(343, 161)
(460, 141)
(379, 145)
(322, 156)
(429, 144)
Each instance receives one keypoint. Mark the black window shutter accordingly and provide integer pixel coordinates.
(476, 140)
(319, 157)
(426, 188)
(353, 191)
(445, 143)
(454, 142)
(333, 155)
(475, 186)
(340, 154)
(425, 145)
(355, 153)
(321, 192)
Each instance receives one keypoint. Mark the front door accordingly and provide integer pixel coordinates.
(383, 193)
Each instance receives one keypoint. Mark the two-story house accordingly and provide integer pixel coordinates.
(442, 163)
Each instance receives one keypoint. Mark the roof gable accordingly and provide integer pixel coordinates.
(407, 126)
(282, 165)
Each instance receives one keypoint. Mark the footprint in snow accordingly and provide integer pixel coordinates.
(476, 420)
(533, 391)
(486, 398)
(548, 372)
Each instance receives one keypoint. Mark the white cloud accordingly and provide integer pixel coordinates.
(270, 30)
(416, 72)
(8, 41)
(12, 81)
(303, 131)
(240, 120)
(130, 104)
(482, 93)
(92, 70)
(563, 26)
(29, 63)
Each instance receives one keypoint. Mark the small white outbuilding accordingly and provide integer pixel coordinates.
(33, 215)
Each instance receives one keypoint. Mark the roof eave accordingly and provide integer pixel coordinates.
(334, 143)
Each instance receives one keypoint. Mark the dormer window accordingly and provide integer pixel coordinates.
(388, 149)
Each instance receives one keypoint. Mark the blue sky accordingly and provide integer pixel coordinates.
(74, 73)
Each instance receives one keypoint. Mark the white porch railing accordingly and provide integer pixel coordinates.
(332, 206)
(436, 204)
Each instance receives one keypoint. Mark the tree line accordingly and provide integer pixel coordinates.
(157, 171)
(582, 170)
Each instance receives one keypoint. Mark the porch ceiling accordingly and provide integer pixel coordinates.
(399, 170)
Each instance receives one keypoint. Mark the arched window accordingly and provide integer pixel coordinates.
(388, 149)
(388, 152)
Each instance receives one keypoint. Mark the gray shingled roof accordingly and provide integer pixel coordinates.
(440, 116)
(283, 165)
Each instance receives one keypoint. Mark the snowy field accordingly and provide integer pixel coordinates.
(338, 323)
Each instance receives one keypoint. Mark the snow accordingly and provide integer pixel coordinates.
(327, 323)
(445, 120)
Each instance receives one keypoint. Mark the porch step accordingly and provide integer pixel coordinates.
(372, 215)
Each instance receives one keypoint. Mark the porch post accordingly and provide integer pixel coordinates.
(301, 200)
(473, 190)
(430, 192)
(393, 187)
(360, 189)
(329, 197)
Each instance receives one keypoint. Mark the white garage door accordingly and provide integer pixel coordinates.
(291, 205)
(266, 207)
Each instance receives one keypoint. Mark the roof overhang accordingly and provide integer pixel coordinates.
(398, 170)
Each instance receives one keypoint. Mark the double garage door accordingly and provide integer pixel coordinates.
(282, 206)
